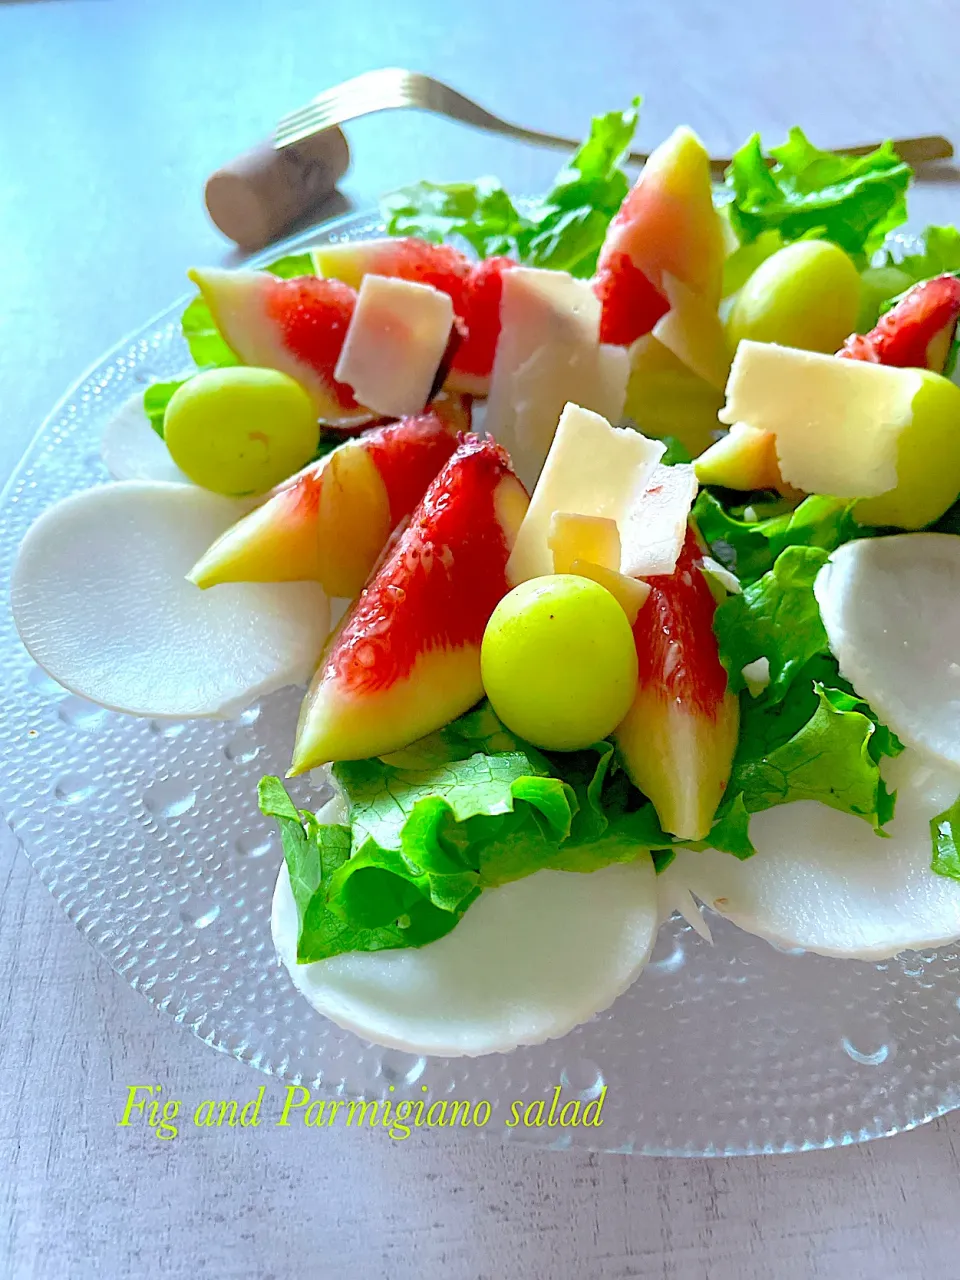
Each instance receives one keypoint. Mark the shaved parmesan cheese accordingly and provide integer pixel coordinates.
(724, 577)
(593, 469)
(549, 353)
(654, 527)
(630, 593)
(592, 538)
(394, 344)
(837, 422)
(757, 676)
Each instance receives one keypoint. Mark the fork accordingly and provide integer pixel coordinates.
(391, 88)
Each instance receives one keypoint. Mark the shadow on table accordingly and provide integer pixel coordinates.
(941, 173)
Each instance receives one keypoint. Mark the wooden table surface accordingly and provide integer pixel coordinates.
(111, 114)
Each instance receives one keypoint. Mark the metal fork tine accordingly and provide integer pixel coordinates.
(311, 118)
(327, 101)
(313, 121)
(310, 123)
(308, 117)
(340, 108)
(388, 87)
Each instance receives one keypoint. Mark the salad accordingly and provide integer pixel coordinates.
(617, 535)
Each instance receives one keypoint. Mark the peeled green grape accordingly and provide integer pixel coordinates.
(559, 663)
(877, 284)
(240, 430)
(928, 461)
(805, 295)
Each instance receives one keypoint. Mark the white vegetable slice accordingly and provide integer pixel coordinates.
(891, 608)
(822, 880)
(528, 962)
(132, 450)
(101, 603)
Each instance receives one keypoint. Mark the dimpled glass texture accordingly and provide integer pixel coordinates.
(149, 836)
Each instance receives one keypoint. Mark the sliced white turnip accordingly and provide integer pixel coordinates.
(101, 602)
(528, 962)
(822, 880)
(132, 450)
(891, 608)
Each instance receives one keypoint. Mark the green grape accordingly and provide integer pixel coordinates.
(559, 663)
(928, 461)
(805, 295)
(877, 284)
(240, 430)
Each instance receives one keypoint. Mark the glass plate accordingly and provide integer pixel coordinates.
(149, 836)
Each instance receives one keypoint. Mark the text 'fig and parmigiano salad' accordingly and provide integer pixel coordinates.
(638, 507)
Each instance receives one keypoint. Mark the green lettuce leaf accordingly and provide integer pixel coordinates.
(563, 230)
(481, 213)
(854, 201)
(472, 807)
(291, 266)
(313, 854)
(155, 401)
(814, 746)
(676, 450)
(945, 838)
(469, 808)
(776, 618)
(750, 547)
(207, 349)
(434, 825)
(570, 224)
(808, 736)
(949, 522)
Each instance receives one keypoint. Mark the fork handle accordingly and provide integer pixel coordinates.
(915, 151)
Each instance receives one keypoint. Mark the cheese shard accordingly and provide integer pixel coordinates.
(575, 537)
(395, 342)
(630, 593)
(549, 354)
(837, 422)
(655, 524)
(592, 469)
